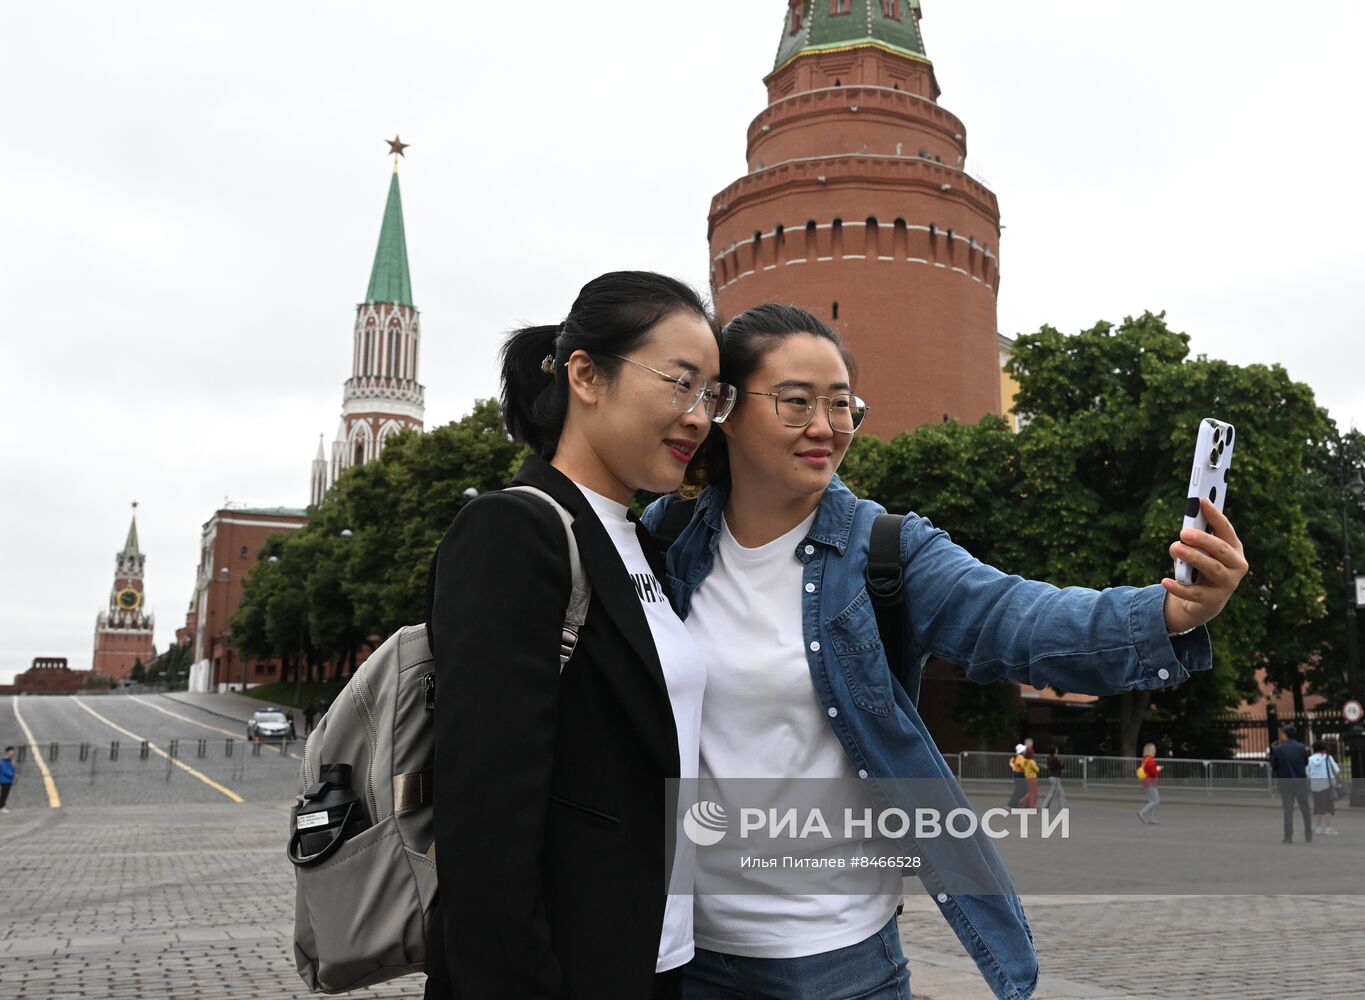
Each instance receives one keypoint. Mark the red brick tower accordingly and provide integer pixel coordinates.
(382, 396)
(123, 632)
(857, 207)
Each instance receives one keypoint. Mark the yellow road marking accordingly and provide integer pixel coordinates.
(202, 725)
(157, 750)
(53, 799)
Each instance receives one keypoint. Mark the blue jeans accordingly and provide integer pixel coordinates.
(873, 969)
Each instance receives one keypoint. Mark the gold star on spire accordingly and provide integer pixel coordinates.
(396, 146)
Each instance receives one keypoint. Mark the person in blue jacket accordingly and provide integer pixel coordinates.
(769, 575)
(6, 777)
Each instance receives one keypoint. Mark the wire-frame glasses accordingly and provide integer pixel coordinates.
(796, 408)
(716, 402)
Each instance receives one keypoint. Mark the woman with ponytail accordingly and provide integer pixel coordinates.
(770, 574)
(550, 787)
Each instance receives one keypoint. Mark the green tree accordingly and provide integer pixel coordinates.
(1091, 490)
(358, 570)
(1111, 420)
(1320, 644)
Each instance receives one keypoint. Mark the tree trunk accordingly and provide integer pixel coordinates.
(1132, 710)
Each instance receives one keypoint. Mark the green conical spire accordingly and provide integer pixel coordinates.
(130, 546)
(389, 281)
(868, 22)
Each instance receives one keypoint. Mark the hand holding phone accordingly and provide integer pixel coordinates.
(1209, 559)
(1208, 478)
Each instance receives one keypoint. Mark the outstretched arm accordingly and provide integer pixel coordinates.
(1089, 641)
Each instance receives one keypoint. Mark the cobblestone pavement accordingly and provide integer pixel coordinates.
(149, 883)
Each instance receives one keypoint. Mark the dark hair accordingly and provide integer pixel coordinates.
(1290, 731)
(8, 749)
(1319, 746)
(611, 315)
(744, 343)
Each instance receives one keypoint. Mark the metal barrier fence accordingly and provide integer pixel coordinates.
(1121, 772)
(216, 756)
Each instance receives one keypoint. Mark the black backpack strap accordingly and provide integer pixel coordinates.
(886, 587)
(677, 516)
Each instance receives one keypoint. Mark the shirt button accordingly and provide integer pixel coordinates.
(810, 550)
(1164, 674)
(810, 588)
(943, 897)
(815, 647)
(833, 712)
(862, 774)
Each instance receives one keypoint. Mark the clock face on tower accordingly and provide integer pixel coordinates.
(129, 599)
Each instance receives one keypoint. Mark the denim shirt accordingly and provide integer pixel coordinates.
(963, 611)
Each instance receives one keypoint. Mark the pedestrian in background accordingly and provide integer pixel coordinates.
(1147, 772)
(1030, 765)
(1054, 780)
(1017, 771)
(1323, 775)
(6, 777)
(1289, 764)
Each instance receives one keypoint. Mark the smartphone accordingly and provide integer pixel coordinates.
(1208, 478)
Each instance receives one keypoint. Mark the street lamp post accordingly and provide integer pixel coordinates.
(1355, 736)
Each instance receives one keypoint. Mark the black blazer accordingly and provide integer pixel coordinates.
(550, 801)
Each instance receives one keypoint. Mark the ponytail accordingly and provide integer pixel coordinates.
(533, 403)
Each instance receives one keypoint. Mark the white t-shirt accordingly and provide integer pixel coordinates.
(685, 674)
(761, 719)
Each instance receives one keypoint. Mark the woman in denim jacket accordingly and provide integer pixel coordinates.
(769, 575)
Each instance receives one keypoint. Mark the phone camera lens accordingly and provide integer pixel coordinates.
(1213, 457)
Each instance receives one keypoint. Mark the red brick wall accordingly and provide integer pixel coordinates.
(906, 245)
(235, 547)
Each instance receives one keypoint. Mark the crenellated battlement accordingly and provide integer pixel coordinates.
(828, 173)
(896, 241)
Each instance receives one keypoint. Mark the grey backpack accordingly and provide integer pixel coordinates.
(363, 899)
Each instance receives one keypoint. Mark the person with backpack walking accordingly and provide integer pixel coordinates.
(1055, 791)
(6, 777)
(1324, 775)
(1148, 773)
(771, 577)
(550, 797)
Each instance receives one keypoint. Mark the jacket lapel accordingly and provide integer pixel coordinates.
(611, 584)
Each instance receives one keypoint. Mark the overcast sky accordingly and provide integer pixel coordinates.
(192, 193)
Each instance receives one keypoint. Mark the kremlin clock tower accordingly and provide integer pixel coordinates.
(123, 632)
(856, 205)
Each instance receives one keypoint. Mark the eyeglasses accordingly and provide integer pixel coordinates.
(716, 403)
(796, 407)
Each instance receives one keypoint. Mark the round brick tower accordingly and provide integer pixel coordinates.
(856, 206)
